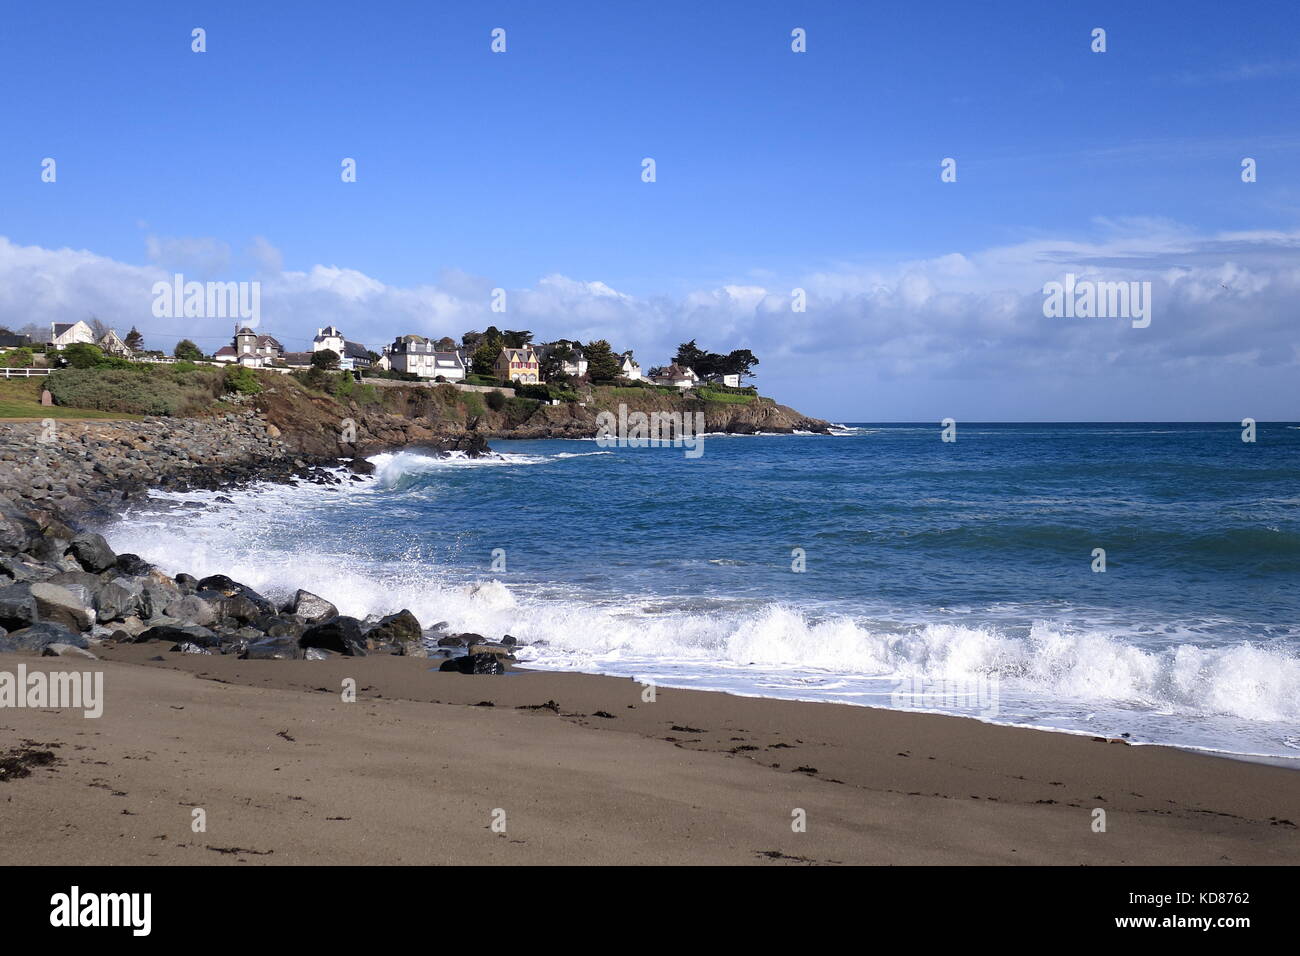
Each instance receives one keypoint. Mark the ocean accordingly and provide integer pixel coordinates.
(879, 566)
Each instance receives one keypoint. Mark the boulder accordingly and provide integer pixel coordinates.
(229, 588)
(113, 602)
(19, 567)
(17, 607)
(92, 552)
(67, 650)
(309, 608)
(401, 627)
(192, 634)
(39, 636)
(342, 634)
(359, 466)
(475, 664)
(132, 564)
(17, 532)
(277, 650)
(192, 609)
(235, 607)
(58, 604)
(83, 584)
(498, 650)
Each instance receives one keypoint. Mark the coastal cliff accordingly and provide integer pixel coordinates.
(367, 421)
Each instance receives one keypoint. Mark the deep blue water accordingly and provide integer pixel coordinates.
(924, 560)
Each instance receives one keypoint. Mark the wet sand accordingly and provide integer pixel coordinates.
(418, 768)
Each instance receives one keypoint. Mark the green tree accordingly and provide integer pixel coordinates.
(485, 357)
(739, 362)
(695, 358)
(555, 354)
(325, 359)
(83, 355)
(516, 340)
(134, 340)
(241, 379)
(187, 351)
(602, 366)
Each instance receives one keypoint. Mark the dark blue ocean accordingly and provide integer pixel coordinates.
(880, 566)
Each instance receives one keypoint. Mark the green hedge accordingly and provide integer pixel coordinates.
(138, 390)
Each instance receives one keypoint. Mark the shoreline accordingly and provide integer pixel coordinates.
(586, 771)
(154, 635)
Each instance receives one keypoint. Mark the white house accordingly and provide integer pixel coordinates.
(576, 365)
(352, 355)
(629, 368)
(677, 376)
(720, 379)
(416, 355)
(70, 333)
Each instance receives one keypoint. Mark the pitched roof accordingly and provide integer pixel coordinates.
(355, 350)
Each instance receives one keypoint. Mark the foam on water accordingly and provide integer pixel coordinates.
(1088, 677)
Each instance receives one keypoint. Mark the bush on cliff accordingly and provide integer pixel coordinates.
(495, 401)
(138, 390)
(242, 380)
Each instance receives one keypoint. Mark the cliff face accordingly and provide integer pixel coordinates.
(445, 417)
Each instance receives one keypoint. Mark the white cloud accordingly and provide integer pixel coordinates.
(1221, 301)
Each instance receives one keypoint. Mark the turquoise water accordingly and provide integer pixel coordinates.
(966, 565)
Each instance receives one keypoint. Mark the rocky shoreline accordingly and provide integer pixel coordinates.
(63, 589)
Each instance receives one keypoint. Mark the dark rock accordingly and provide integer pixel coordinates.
(17, 607)
(475, 664)
(400, 627)
(133, 564)
(17, 532)
(278, 650)
(454, 640)
(359, 466)
(187, 583)
(19, 567)
(342, 634)
(229, 588)
(180, 635)
(39, 636)
(92, 551)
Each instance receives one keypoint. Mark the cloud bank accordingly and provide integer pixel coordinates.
(1224, 308)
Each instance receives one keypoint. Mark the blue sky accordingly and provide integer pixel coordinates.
(775, 170)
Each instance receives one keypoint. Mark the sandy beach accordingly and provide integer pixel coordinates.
(583, 771)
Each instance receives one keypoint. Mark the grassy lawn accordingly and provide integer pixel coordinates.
(729, 398)
(21, 398)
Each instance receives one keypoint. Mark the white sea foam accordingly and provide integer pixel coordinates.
(1084, 677)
